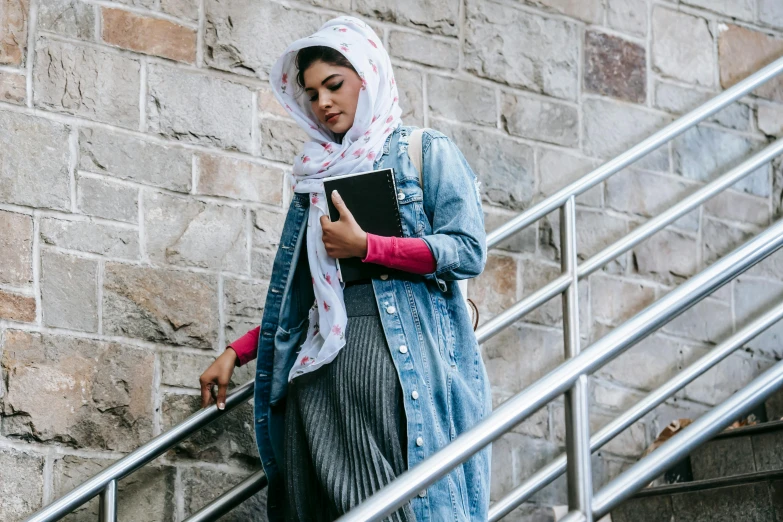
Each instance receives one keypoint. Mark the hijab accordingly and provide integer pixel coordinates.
(377, 116)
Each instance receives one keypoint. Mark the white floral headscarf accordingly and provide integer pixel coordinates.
(377, 115)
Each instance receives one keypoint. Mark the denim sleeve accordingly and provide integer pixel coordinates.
(453, 206)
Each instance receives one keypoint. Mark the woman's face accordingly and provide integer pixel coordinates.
(334, 94)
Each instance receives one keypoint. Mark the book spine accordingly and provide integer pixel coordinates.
(393, 185)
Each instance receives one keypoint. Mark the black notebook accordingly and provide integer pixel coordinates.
(372, 199)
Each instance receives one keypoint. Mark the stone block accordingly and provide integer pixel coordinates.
(228, 440)
(87, 82)
(461, 100)
(742, 9)
(708, 320)
(557, 169)
(751, 500)
(246, 36)
(149, 4)
(237, 179)
(187, 232)
(268, 104)
(16, 249)
(148, 35)
(682, 47)
(281, 140)
(438, 16)
(31, 175)
(586, 10)
(769, 119)
(720, 238)
(537, 425)
(409, 84)
(595, 231)
(261, 260)
(156, 305)
(736, 206)
(541, 120)
(722, 380)
(22, 476)
(771, 13)
(614, 300)
(615, 67)
(17, 307)
(610, 128)
(13, 31)
(536, 275)
(135, 160)
(202, 485)
(535, 53)
(523, 241)
(69, 291)
(516, 457)
(495, 289)
(13, 88)
(648, 194)
(146, 494)
(72, 18)
(628, 16)
(742, 51)
(767, 451)
(505, 169)
(680, 100)
(88, 236)
(267, 227)
(175, 108)
(244, 298)
(704, 153)
(521, 354)
(106, 199)
(416, 47)
(610, 396)
(646, 365)
(669, 256)
(340, 5)
(629, 443)
(185, 9)
(753, 297)
(88, 394)
(644, 509)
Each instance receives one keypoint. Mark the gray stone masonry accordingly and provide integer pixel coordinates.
(143, 159)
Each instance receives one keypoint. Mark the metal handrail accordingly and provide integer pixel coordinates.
(108, 478)
(557, 467)
(525, 403)
(231, 498)
(105, 482)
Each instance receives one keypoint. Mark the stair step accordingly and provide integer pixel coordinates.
(750, 449)
(750, 497)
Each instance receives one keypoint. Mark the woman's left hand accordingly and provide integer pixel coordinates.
(343, 238)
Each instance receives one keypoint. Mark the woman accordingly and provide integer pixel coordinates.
(356, 384)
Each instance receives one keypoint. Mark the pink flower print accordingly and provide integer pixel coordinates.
(328, 278)
(387, 130)
(285, 77)
(288, 107)
(327, 147)
(358, 152)
(305, 159)
(313, 279)
(344, 47)
(305, 360)
(336, 330)
(364, 84)
(342, 154)
(314, 200)
(392, 80)
(313, 127)
(374, 67)
(396, 99)
(368, 133)
(389, 119)
(373, 119)
(343, 30)
(326, 306)
(372, 43)
(371, 155)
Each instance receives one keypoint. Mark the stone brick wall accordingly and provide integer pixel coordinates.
(142, 158)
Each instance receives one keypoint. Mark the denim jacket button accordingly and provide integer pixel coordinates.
(415, 395)
(384, 277)
(390, 309)
(420, 442)
(403, 349)
(423, 493)
(401, 195)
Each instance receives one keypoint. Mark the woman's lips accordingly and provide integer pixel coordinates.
(332, 119)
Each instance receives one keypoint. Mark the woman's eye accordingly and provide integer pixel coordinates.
(336, 86)
(315, 97)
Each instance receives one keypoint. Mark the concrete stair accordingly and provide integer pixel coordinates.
(735, 477)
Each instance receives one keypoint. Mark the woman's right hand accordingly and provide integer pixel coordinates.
(219, 372)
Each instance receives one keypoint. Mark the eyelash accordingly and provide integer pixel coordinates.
(332, 88)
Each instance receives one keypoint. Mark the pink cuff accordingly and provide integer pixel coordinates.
(411, 254)
(246, 346)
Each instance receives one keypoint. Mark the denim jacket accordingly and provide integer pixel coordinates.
(427, 327)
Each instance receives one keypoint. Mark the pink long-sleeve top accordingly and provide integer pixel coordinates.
(410, 254)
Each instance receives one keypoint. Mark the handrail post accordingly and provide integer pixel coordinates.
(107, 511)
(579, 477)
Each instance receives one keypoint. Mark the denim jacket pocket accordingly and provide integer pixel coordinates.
(445, 330)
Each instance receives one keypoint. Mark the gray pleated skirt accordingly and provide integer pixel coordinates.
(345, 431)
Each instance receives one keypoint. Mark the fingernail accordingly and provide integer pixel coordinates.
(337, 195)
(222, 406)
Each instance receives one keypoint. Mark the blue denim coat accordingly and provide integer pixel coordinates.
(426, 323)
